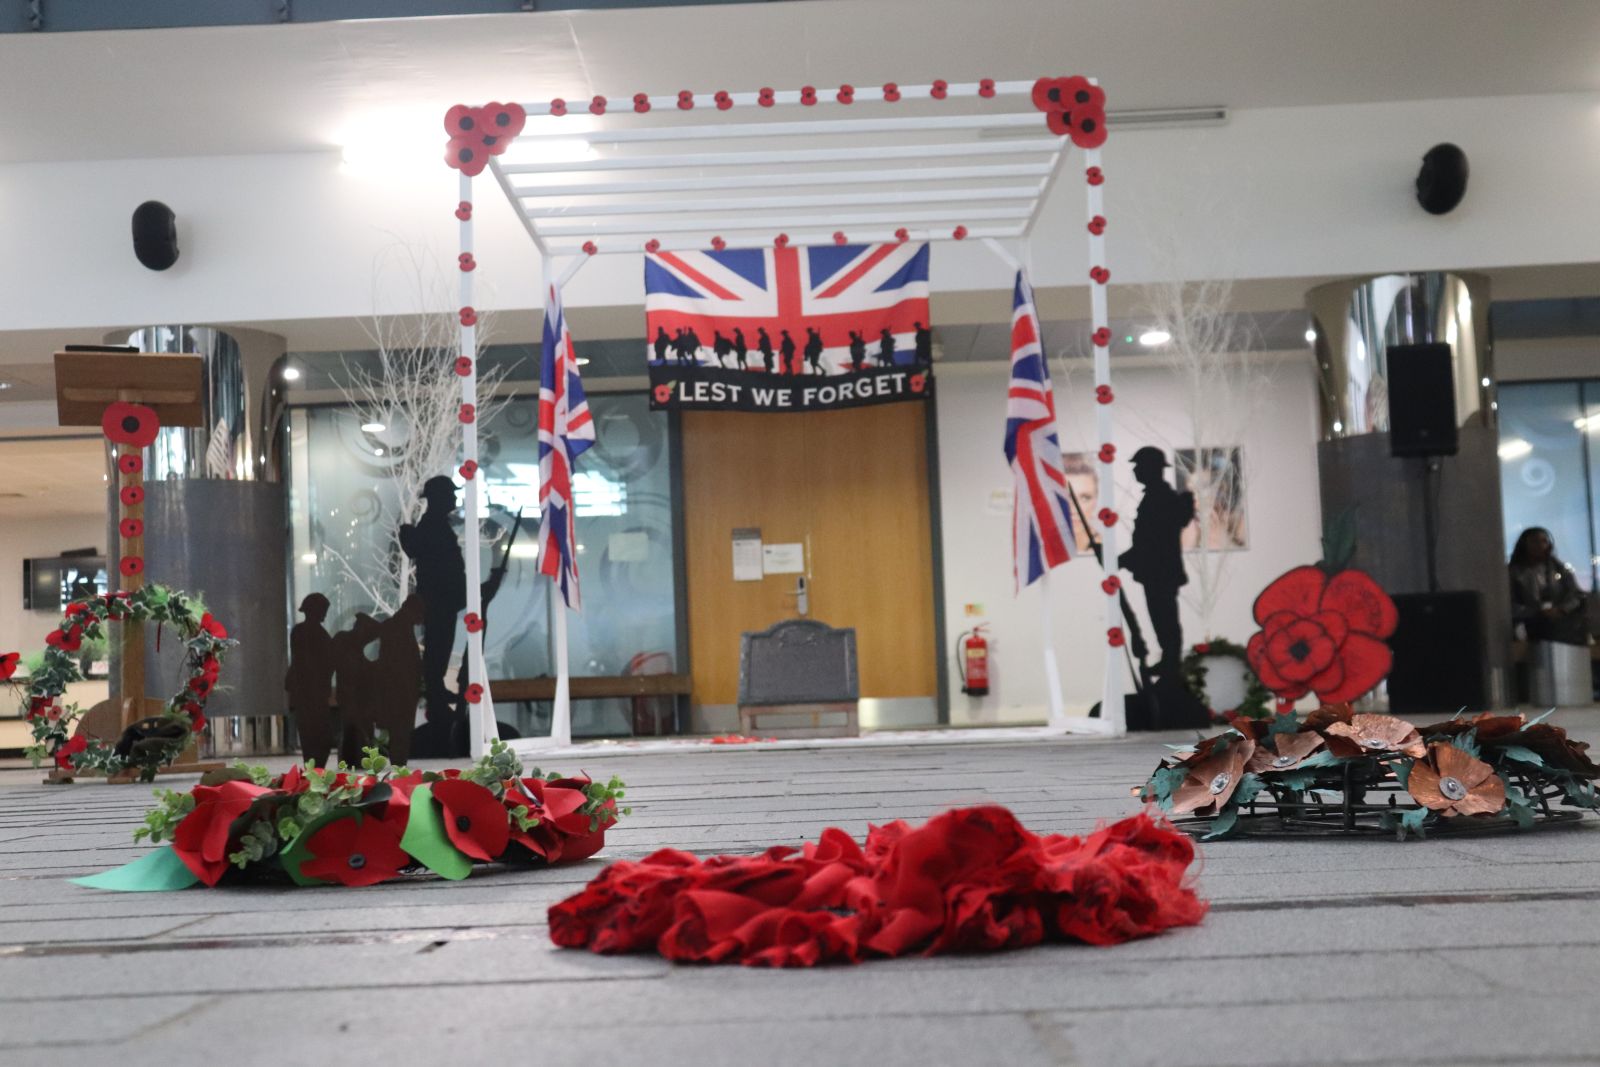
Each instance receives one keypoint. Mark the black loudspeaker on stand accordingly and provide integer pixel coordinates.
(1438, 654)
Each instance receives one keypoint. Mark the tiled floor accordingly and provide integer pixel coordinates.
(1454, 951)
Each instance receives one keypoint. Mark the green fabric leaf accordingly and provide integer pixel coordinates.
(1519, 808)
(1163, 782)
(1249, 787)
(1402, 772)
(158, 870)
(1223, 824)
(425, 839)
(1284, 724)
(1414, 821)
(1468, 743)
(1539, 719)
(1320, 758)
(1297, 780)
(1339, 541)
(1522, 755)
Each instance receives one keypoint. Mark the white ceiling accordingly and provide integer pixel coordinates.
(53, 476)
(302, 87)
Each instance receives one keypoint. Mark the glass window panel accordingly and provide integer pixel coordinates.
(1543, 476)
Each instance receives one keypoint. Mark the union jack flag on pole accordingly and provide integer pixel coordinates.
(1041, 517)
(566, 429)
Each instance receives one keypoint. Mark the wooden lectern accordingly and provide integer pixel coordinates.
(88, 380)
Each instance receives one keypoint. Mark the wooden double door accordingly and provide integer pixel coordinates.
(851, 487)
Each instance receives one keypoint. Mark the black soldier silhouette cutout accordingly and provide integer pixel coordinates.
(814, 350)
(1156, 557)
(764, 343)
(394, 702)
(721, 347)
(680, 345)
(692, 345)
(662, 344)
(310, 680)
(886, 348)
(858, 350)
(740, 348)
(786, 349)
(357, 689)
(924, 343)
(442, 584)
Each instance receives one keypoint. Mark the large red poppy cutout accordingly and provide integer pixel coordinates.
(1322, 635)
(473, 818)
(130, 424)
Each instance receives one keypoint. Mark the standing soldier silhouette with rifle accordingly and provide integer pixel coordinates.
(491, 585)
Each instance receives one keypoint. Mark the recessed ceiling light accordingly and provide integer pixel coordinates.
(291, 374)
(1154, 338)
(5, 385)
(1487, 383)
(583, 361)
(373, 427)
(1311, 337)
(1338, 427)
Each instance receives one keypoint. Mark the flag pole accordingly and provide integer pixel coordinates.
(561, 707)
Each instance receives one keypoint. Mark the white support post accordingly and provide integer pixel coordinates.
(481, 727)
(1052, 669)
(1112, 711)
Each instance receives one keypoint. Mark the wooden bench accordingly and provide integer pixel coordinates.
(599, 687)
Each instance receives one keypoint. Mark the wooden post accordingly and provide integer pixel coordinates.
(131, 678)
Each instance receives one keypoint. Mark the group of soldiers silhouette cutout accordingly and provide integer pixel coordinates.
(381, 694)
(685, 347)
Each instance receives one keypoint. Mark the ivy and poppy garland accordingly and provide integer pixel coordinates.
(361, 826)
(151, 743)
(1343, 771)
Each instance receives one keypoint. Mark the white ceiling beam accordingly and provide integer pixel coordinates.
(529, 141)
(776, 223)
(769, 179)
(801, 238)
(1034, 146)
(827, 96)
(855, 199)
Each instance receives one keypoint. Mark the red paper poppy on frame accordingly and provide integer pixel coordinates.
(473, 818)
(130, 424)
(130, 463)
(1322, 635)
(210, 625)
(131, 527)
(131, 495)
(360, 850)
(131, 565)
(8, 664)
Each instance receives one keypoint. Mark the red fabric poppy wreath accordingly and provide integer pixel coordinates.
(355, 851)
(1322, 635)
(972, 879)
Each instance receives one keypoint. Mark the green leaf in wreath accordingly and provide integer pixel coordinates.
(156, 871)
(1522, 755)
(426, 841)
(1414, 822)
(1223, 824)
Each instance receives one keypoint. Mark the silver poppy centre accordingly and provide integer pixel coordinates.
(1220, 782)
(1451, 788)
(1283, 761)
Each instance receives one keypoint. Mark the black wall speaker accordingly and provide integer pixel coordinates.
(1422, 401)
(1442, 182)
(155, 235)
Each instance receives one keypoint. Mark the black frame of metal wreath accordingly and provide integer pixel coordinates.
(1288, 813)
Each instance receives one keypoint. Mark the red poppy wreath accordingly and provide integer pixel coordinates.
(358, 826)
(150, 743)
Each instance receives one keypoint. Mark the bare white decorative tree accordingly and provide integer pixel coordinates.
(411, 390)
(1224, 390)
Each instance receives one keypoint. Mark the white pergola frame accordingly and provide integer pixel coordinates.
(965, 161)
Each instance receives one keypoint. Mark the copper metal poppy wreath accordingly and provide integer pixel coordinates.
(153, 742)
(357, 826)
(1338, 772)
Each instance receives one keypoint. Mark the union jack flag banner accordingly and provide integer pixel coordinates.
(788, 329)
(565, 431)
(1041, 517)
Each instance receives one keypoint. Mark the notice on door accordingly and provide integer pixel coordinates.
(784, 559)
(747, 554)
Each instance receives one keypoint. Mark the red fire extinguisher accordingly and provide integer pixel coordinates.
(972, 661)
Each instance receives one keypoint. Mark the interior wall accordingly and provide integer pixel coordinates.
(1276, 192)
(20, 539)
(1280, 487)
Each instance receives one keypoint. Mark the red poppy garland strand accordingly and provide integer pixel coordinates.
(969, 880)
(360, 826)
(153, 742)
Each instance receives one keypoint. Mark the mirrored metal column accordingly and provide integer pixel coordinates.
(216, 526)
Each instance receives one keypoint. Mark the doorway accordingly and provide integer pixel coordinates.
(851, 489)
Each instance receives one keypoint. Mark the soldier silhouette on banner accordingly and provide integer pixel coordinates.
(764, 343)
(786, 350)
(721, 347)
(1156, 556)
(924, 344)
(691, 343)
(886, 348)
(858, 350)
(814, 350)
(740, 348)
(442, 584)
(662, 344)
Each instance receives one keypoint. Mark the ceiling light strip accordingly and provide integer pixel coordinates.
(773, 224)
